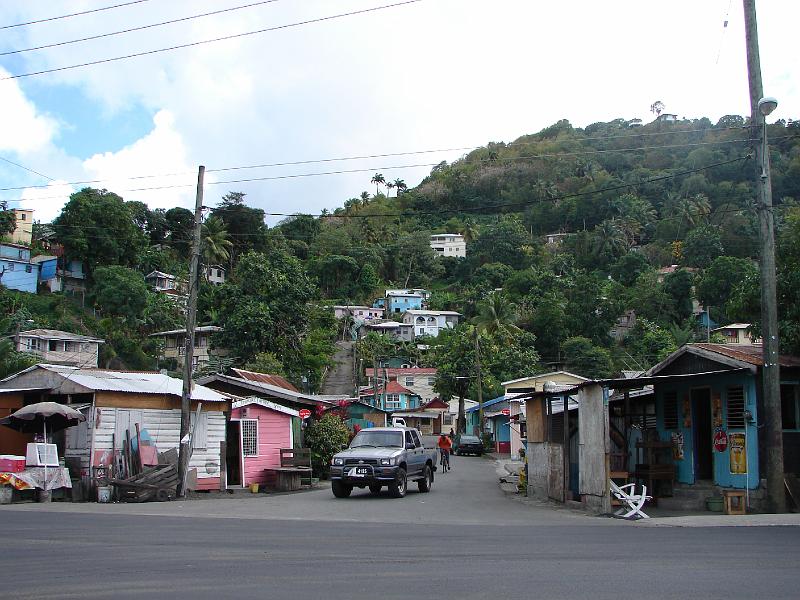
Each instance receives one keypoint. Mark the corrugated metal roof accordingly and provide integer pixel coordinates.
(265, 378)
(752, 354)
(132, 382)
(203, 329)
(55, 334)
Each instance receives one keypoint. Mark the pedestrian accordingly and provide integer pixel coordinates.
(452, 434)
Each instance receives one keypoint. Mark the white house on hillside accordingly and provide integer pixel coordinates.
(60, 347)
(449, 244)
(430, 322)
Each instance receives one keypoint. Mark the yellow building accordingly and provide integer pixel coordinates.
(23, 234)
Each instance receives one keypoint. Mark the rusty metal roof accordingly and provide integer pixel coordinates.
(275, 380)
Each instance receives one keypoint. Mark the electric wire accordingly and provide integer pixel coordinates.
(133, 29)
(213, 40)
(11, 162)
(76, 14)
(515, 144)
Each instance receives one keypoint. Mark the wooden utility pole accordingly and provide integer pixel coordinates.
(191, 322)
(480, 384)
(770, 373)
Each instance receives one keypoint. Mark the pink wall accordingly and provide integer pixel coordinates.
(274, 433)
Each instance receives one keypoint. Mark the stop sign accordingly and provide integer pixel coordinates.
(506, 411)
(305, 413)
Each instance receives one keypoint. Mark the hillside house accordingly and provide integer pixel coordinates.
(430, 322)
(23, 232)
(214, 274)
(359, 313)
(19, 272)
(398, 302)
(418, 380)
(114, 403)
(449, 244)
(390, 397)
(70, 277)
(737, 334)
(398, 331)
(174, 346)
(60, 347)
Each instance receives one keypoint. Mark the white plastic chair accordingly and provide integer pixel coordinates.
(632, 502)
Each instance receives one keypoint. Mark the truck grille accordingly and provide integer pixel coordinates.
(364, 461)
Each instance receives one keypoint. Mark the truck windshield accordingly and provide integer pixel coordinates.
(378, 439)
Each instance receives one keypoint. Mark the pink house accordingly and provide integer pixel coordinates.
(257, 431)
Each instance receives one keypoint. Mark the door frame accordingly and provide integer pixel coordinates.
(229, 483)
(696, 432)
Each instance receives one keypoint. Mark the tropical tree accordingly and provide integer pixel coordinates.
(389, 188)
(378, 179)
(214, 243)
(496, 315)
(400, 186)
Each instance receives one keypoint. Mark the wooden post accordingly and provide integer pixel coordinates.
(770, 374)
(480, 383)
(191, 321)
(223, 466)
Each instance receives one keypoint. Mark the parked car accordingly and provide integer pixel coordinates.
(469, 444)
(383, 456)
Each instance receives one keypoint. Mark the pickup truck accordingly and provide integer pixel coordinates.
(383, 456)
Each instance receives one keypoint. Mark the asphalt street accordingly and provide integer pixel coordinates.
(465, 539)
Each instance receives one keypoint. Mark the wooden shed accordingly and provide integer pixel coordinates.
(257, 431)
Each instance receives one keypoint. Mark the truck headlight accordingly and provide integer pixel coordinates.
(337, 461)
(386, 462)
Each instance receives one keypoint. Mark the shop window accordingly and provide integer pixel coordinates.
(671, 410)
(736, 407)
(249, 437)
(790, 409)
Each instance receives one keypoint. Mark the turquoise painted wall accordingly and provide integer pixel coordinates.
(719, 385)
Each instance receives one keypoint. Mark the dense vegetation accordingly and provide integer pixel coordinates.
(629, 200)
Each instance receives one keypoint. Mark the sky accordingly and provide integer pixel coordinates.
(439, 76)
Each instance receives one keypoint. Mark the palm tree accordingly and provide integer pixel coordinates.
(214, 242)
(496, 314)
(389, 187)
(364, 198)
(400, 186)
(377, 179)
(610, 238)
(469, 230)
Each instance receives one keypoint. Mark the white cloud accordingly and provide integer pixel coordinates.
(161, 153)
(23, 130)
(46, 202)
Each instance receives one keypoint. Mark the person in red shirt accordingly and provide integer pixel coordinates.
(445, 444)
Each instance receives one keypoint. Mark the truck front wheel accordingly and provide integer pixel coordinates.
(340, 489)
(398, 488)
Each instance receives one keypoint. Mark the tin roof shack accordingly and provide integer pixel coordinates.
(361, 414)
(114, 403)
(708, 405)
(496, 423)
(262, 428)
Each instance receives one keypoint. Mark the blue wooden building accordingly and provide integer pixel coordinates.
(708, 406)
(19, 272)
(496, 417)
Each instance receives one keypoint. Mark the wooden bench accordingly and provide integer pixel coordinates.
(294, 472)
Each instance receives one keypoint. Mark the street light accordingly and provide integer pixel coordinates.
(765, 106)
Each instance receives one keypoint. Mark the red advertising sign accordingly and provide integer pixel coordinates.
(506, 411)
(305, 413)
(720, 440)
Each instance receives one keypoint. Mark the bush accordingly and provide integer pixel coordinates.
(325, 438)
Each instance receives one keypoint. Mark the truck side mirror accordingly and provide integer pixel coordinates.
(410, 446)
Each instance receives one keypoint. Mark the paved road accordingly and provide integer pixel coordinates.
(463, 540)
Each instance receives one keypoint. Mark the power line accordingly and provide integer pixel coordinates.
(412, 153)
(85, 12)
(360, 170)
(219, 39)
(26, 169)
(131, 30)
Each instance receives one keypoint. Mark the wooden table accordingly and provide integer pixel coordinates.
(286, 479)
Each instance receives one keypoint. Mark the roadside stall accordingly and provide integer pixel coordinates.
(40, 469)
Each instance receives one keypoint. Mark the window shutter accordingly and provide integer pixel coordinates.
(736, 407)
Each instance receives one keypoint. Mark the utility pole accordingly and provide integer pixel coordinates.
(770, 374)
(480, 384)
(191, 321)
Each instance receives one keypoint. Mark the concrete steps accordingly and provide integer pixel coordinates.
(689, 497)
(339, 380)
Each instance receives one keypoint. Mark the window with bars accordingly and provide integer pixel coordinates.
(671, 410)
(249, 437)
(736, 407)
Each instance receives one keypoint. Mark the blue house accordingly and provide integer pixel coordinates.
(400, 302)
(708, 407)
(19, 272)
(495, 413)
(392, 397)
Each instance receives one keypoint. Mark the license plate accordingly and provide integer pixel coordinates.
(359, 472)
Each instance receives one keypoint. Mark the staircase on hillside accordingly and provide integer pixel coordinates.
(340, 378)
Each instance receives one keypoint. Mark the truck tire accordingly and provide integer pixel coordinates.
(399, 486)
(426, 482)
(340, 489)
(375, 489)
